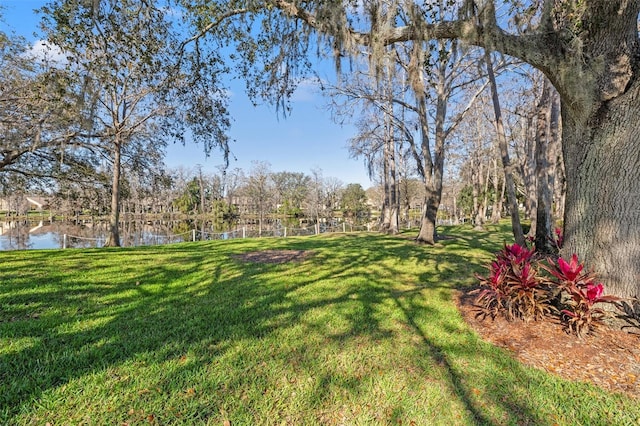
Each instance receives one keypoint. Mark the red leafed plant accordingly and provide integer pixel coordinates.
(558, 241)
(580, 295)
(513, 287)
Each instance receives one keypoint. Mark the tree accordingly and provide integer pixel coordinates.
(435, 73)
(142, 87)
(291, 189)
(188, 201)
(588, 49)
(546, 158)
(354, 201)
(259, 190)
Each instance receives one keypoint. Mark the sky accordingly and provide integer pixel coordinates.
(306, 139)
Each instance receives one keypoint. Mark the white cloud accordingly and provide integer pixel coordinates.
(45, 52)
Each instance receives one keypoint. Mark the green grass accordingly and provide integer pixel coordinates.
(363, 332)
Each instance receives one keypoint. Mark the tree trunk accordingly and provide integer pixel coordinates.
(393, 185)
(529, 173)
(496, 211)
(485, 198)
(556, 165)
(543, 231)
(113, 238)
(385, 220)
(504, 154)
(602, 211)
(476, 183)
(427, 232)
(432, 165)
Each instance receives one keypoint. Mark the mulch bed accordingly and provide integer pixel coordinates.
(609, 358)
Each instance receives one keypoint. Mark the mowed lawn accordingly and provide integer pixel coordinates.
(363, 331)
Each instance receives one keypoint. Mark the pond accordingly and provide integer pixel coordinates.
(47, 234)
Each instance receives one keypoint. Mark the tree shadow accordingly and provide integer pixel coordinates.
(215, 302)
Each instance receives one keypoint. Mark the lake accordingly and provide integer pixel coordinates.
(45, 234)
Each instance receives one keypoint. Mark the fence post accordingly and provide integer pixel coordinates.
(64, 241)
(368, 228)
(193, 238)
(344, 227)
(244, 232)
(285, 232)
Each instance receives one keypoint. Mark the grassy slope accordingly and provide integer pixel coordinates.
(363, 332)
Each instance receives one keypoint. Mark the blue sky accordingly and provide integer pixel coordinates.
(305, 140)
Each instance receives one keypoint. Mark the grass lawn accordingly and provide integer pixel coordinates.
(364, 331)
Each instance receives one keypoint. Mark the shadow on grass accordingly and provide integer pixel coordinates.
(193, 299)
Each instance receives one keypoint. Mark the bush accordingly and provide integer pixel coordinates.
(515, 288)
(581, 293)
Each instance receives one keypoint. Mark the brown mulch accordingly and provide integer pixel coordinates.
(610, 358)
(274, 256)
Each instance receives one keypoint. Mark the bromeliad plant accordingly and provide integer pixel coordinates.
(580, 295)
(513, 287)
(558, 241)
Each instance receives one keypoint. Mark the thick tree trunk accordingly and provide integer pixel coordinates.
(427, 232)
(602, 211)
(113, 239)
(385, 220)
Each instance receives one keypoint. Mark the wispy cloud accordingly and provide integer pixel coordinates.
(43, 51)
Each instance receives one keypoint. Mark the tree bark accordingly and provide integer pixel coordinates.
(556, 166)
(394, 214)
(602, 213)
(113, 239)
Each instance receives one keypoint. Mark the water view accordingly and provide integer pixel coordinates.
(52, 234)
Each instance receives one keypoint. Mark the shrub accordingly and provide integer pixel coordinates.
(513, 287)
(580, 293)
(516, 289)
